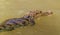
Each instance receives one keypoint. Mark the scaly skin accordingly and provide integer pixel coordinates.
(10, 24)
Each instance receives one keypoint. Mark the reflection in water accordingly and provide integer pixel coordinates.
(44, 26)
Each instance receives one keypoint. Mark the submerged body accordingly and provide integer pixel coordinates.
(10, 24)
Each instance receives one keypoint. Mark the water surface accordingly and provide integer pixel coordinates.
(45, 25)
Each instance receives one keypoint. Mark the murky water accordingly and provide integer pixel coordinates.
(45, 25)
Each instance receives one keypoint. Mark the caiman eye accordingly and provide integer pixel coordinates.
(40, 11)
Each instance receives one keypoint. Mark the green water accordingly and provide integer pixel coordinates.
(45, 25)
